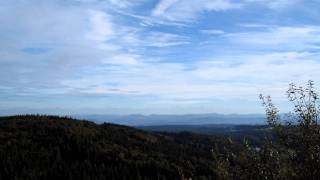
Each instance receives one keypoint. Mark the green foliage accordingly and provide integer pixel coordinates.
(297, 146)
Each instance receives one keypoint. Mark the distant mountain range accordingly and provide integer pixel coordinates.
(188, 119)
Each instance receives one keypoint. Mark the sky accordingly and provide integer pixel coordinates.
(154, 56)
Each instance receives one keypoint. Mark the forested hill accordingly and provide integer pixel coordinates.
(49, 147)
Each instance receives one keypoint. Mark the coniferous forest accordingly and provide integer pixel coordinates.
(50, 147)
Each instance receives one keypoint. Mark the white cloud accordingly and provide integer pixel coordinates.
(280, 37)
(185, 10)
(279, 4)
(163, 6)
(76, 37)
(160, 39)
(252, 25)
(123, 59)
(275, 4)
(122, 4)
(153, 39)
(212, 31)
(243, 76)
(101, 28)
(125, 3)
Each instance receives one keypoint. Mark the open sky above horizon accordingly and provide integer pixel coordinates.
(154, 56)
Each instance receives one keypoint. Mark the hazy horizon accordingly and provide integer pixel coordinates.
(25, 112)
(69, 57)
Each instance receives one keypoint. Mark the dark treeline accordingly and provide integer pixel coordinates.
(49, 147)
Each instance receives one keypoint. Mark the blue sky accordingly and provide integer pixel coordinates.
(154, 56)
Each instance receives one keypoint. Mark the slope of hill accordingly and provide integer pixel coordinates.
(49, 147)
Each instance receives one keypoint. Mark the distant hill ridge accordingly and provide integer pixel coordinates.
(187, 119)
